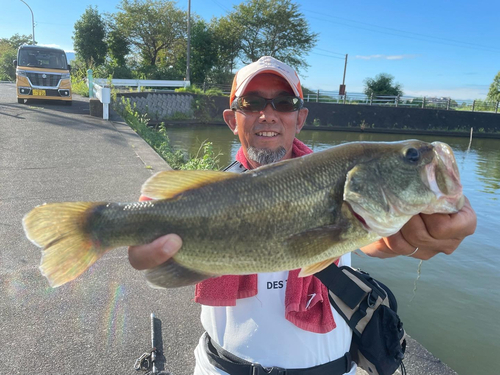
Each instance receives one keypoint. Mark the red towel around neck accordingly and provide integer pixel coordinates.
(306, 298)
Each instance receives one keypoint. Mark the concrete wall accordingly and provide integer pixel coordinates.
(350, 115)
(160, 106)
(164, 106)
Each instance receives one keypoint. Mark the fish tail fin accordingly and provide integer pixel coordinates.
(61, 229)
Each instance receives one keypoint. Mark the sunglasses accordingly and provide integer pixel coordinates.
(254, 103)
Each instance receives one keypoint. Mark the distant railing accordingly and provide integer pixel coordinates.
(404, 101)
(322, 96)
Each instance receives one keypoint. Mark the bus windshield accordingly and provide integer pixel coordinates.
(43, 58)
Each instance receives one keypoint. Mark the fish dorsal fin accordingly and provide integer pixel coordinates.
(167, 184)
(313, 268)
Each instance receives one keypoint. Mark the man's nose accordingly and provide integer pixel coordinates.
(268, 112)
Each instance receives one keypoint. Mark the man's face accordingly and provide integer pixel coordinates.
(268, 131)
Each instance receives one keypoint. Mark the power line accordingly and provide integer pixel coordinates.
(332, 57)
(402, 33)
(220, 6)
(335, 53)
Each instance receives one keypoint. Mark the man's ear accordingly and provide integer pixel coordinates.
(301, 119)
(230, 119)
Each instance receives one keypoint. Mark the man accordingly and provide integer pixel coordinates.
(276, 319)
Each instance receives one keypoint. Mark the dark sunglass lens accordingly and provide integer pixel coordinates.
(286, 103)
(251, 103)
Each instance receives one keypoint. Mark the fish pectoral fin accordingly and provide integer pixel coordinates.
(316, 267)
(171, 274)
(167, 184)
(317, 239)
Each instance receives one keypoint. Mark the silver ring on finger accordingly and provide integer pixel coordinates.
(413, 252)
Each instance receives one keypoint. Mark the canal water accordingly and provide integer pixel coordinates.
(452, 306)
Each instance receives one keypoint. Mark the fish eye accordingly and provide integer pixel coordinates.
(412, 155)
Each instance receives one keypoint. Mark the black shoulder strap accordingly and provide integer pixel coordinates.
(235, 167)
(341, 285)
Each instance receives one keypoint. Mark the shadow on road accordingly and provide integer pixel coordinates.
(80, 105)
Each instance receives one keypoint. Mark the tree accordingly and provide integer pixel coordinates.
(151, 27)
(273, 28)
(8, 53)
(382, 85)
(89, 37)
(7, 69)
(16, 40)
(227, 41)
(203, 52)
(494, 92)
(118, 46)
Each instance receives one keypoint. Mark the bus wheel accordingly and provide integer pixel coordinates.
(20, 101)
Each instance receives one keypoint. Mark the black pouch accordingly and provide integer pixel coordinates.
(370, 309)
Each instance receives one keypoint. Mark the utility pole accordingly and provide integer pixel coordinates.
(188, 71)
(342, 86)
(32, 20)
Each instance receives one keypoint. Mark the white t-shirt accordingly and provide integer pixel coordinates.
(256, 330)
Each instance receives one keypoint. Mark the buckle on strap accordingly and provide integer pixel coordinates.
(257, 369)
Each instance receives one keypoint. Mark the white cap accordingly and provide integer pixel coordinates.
(265, 64)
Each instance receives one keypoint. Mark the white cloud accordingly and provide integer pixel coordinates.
(385, 57)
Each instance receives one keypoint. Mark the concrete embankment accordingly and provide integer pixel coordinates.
(332, 116)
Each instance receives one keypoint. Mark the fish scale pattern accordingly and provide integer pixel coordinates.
(162, 106)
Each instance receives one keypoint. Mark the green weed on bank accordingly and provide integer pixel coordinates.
(79, 86)
(206, 159)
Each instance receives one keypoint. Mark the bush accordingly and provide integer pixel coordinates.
(7, 69)
(79, 86)
(203, 104)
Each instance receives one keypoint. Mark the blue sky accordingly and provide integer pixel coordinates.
(433, 48)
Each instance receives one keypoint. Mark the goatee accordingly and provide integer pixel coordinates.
(266, 156)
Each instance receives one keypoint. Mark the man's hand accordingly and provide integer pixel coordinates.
(432, 234)
(153, 254)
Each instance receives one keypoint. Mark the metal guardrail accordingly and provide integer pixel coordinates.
(140, 83)
(100, 88)
(104, 95)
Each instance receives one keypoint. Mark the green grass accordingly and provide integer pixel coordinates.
(79, 87)
(205, 159)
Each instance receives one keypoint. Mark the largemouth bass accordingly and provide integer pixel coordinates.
(299, 213)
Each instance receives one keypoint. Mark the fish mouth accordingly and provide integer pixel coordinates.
(443, 179)
(358, 217)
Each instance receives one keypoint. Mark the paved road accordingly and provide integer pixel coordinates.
(100, 323)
